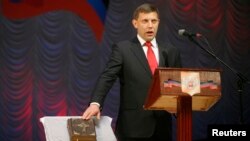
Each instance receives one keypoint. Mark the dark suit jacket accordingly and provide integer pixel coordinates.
(129, 63)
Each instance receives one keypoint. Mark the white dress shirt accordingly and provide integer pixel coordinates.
(154, 47)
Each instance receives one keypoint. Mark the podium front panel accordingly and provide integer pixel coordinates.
(167, 86)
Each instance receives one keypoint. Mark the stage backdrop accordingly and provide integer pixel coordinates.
(51, 55)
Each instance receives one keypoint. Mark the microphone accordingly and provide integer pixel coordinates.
(183, 32)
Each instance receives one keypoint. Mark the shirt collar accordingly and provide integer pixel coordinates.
(142, 41)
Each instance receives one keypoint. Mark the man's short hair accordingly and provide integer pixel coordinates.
(145, 8)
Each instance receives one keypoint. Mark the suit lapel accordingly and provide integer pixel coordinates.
(140, 55)
(161, 57)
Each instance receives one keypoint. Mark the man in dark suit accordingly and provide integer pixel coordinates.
(129, 62)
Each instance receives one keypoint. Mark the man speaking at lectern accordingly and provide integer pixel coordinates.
(133, 62)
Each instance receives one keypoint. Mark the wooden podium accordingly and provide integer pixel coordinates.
(181, 91)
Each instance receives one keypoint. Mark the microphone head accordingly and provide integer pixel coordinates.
(181, 32)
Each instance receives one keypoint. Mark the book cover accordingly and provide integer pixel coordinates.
(81, 130)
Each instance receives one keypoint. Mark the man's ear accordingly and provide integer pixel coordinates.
(134, 22)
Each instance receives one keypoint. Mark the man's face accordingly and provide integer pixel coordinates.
(147, 25)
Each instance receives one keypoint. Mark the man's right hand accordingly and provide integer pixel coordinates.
(92, 110)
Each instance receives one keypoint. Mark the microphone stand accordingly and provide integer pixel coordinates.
(241, 78)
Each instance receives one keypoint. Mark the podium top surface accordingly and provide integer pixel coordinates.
(189, 69)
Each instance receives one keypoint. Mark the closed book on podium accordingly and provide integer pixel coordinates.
(81, 130)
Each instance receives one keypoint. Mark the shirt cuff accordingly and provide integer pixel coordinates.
(95, 103)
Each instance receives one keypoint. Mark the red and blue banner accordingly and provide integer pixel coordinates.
(93, 11)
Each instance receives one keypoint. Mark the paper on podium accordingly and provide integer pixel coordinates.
(55, 128)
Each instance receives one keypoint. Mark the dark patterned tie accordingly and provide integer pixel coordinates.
(151, 57)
